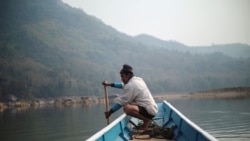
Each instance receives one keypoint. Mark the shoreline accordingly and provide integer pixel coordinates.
(227, 93)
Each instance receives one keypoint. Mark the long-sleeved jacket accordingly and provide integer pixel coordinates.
(136, 92)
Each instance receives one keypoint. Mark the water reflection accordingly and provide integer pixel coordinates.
(52, 123)
(225, 119)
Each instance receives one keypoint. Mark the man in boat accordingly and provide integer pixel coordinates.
(136, 99)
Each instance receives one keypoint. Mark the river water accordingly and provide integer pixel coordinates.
(227, 120)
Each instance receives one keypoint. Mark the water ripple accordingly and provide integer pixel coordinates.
(226, 120)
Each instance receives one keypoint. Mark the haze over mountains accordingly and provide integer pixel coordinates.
(235, 50)
(50, 49)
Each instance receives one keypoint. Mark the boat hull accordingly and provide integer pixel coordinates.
(167, 116)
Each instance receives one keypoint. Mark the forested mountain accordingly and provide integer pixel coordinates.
(50, 49)
(235, 50)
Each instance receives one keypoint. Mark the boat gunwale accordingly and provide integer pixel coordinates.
(104, 130)
(107, 128)
(191, 123)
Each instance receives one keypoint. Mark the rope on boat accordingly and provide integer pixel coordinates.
(154, 131)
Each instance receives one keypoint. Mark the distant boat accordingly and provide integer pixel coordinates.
(184, 129)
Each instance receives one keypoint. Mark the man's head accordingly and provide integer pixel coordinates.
(126, 73)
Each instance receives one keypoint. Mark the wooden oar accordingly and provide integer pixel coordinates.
(106, 102)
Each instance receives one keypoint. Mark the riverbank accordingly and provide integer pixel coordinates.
(65, 101)
(57, 102)
(227, 93)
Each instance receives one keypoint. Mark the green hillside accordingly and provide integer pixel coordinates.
(49, 49)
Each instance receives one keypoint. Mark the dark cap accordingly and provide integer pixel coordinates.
(126, 69)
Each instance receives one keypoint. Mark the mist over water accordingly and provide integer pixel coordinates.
(227, 120)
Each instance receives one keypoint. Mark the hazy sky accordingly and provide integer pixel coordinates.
(191, 22)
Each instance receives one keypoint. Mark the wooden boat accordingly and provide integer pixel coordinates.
(121, 129)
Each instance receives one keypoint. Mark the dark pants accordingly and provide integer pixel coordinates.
(144, 112)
